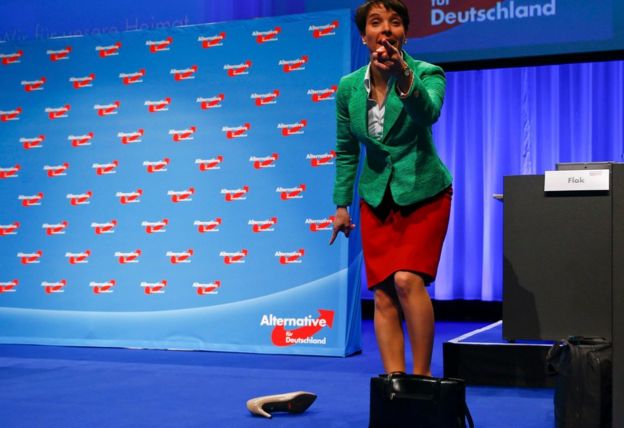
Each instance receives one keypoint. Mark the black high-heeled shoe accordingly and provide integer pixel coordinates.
(292, 402)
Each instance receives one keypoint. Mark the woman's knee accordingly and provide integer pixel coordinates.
(384, 302)
(408, 282)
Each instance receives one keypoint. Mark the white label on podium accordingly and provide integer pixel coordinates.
(576, 180)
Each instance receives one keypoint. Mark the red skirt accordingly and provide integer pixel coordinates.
(396, 238)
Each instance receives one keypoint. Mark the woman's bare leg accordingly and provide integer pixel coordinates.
(419, 319)
(388, 328)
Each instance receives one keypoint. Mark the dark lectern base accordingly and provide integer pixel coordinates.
(483, 357)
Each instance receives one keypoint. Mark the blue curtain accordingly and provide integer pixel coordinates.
(511, 122)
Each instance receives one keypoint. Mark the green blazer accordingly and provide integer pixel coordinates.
(405, 159)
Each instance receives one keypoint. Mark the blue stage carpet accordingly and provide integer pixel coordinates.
(45, 386)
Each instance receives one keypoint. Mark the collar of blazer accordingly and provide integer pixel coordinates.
(359, 105)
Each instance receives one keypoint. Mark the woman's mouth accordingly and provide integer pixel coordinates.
(393, 42)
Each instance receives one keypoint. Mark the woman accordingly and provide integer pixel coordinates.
(405, 189)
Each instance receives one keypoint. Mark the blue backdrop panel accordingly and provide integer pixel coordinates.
(468, 30)
(170, 189)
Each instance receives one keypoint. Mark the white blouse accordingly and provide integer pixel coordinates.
(375, 112)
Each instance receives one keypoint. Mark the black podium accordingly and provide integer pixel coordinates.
(563, 271)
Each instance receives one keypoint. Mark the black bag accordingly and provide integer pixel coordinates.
(411, 401)
(583, 392)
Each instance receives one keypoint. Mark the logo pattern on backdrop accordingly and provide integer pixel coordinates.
(185, 164)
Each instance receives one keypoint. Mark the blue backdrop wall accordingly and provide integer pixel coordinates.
(167, 188)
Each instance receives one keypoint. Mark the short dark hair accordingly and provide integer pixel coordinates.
(361, 13)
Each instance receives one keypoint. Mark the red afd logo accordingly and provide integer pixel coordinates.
(287, 193)
(212, 41)
(322, 159)
(155, 226)
(81, 140)
(104, 228)
(182, 134)
(305, 328)
(154, 287)
(210, 102)
(56, 170)
(125, 258)
(180, 257)
(8, 287)
(184, 74)
(31, 200)
(264, 162)
(266, 99)
(234, 70)
(106, 168)
(290, 257)
(9, 229)
(319, 31)
(181, 195)
(32, 143)
(132, 78)
(56, 228)
(131, 137)
(159, 45)
(107, 109)
(33, 85)
(237, 257)
(78, 258)
(110, 50)
(58, 112)
(158, 105)
(10, 172)
(156, 166)
(290, 65)
(235, 194)
(319, 95)
(54, 287)
(267, 36)
(82, 82)
(207, 288)
(289, 129)
(58, 55)
(321, 224)
(236, 131)
(258, 226)
(102, 287)
(209, 164)
(30, 258)
(130, 197)
(80, 199)
(12, 58)
(8, 115)
(208, 226)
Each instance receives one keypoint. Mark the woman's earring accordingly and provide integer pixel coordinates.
(363, 42)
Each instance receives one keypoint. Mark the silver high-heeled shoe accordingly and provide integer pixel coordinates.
(292, 402)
